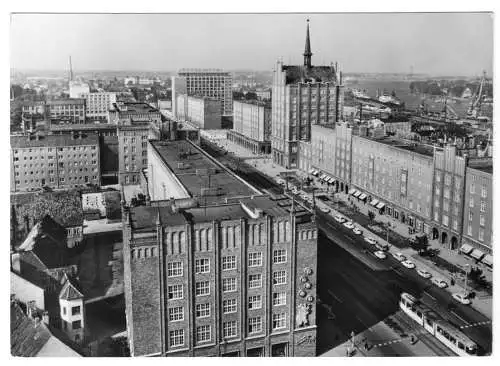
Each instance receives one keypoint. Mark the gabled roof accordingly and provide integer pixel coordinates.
(27, 337)
(70, 290)
(65, 207)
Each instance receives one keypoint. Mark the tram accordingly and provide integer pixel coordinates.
(445, 332)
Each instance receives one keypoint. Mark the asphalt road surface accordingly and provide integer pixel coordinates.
(357, 290)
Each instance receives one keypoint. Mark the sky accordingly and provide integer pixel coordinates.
(433, 43)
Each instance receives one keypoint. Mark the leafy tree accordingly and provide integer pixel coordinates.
(420, 244)
(371, 216)
(476, 276)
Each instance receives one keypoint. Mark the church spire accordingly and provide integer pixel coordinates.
(307, 51)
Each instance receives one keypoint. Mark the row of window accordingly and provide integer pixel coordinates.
(175, 269)
(229, 330)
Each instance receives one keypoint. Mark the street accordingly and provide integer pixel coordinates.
(357, 290)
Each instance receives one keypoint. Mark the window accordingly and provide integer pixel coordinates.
(229, 284)
(470, 215)
(455, 224)
(279, 256)
(77, 324)
(279, 277)
(254, 302)
(228, 262)
(481, 220)
(202, 310)
(279, 321)
(254, 281)
(447, 179)
(64, 311)
(483, 192)
(445, 220)
(174, 269)
(438, 192)
(229, 306)
(229, 329)
(472, 188)
(202, 288)
(279, 298)
(469, 229)
(203, 333)
(481, 234)
(75, 310)
(202, 265)
(176, 337)
(471, 202)
(255, 259)
(254, 325)
(176, 314)
(483, 206)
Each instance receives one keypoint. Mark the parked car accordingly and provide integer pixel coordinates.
(424, 273)
(408, 264)
(349, 225)
(439, 282)
(324, 209)
(462, 298)
(380, 254)
(357, 231)
(339, 218)
(370, 240)
(399, 256)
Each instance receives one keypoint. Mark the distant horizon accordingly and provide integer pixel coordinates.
(388, 43)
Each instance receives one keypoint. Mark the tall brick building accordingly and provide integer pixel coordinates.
(302, 96)
(231, 276)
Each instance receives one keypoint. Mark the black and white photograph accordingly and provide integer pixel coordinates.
(250, 184)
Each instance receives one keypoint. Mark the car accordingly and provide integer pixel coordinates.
(357, 231)
(439, 282)
(380, 254)
(339, 218)
(399, 256)
(462, 298)
(304, 196)
(370, 240)
(324, 209)
(349, 225)
(281, 182)
(408, 264)
(424, 273)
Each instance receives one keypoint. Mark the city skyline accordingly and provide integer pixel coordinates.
(255, 42)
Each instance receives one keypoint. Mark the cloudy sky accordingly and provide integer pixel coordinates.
(439, 43)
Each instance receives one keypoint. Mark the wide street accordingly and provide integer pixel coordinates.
(358, 290)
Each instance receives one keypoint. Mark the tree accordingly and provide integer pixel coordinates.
(371, 216)
(476, 276)
(420, 243)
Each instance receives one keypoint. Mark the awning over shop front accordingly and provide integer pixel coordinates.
(327, 179)
(476, 254)
(352, 190)
(466, 248)
(381, 205)
(332, 180)
(315, 172)
(322, 176)
(374, 202)
(311, 171)
(488, 259)
(356, 194)
(363, 196)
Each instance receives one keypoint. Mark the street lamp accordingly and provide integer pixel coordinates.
(466, 273)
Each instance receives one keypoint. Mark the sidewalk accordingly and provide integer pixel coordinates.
(481, 303)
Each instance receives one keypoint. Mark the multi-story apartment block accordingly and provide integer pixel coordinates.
(252, 126)
(134, 111)
(448, 196)
(302, 96)
(66, 110)
(478, 209)
(214, 83)
(179, 86)
(54, 161)
(98, 105)
(229, 275)
(203, 112)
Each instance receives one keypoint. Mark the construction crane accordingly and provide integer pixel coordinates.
(475, 107)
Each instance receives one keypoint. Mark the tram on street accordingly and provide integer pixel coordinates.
(441, 329)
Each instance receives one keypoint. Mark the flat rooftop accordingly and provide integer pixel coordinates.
(53, 140)
(83, 127)
(144, 217)
(316, 74)
(66, 101)
(134, 107)
(405, 145)
(197, 172)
